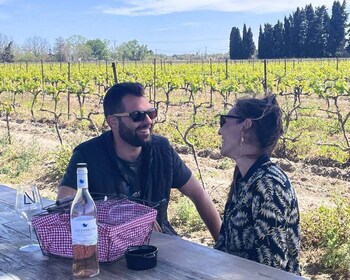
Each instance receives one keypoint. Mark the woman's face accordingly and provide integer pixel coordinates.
(231, 135)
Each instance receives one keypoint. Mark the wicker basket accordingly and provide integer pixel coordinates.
(121, 223)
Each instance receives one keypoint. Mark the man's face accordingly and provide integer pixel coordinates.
(135, 134)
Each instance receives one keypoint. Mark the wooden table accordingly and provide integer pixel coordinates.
(177, 258)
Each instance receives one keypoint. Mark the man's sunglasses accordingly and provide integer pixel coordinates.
(139, 116)
(223, 119)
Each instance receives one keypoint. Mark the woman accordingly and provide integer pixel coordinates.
(261, 218)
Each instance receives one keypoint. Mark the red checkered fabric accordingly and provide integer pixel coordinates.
(121, 223)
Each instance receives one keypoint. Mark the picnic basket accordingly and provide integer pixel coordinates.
(121, 223)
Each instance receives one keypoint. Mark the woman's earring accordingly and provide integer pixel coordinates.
(242, 139)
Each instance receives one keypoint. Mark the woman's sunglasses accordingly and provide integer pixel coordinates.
(223, 119)
(139, 116)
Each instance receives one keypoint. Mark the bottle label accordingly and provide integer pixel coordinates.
(82, 181)
(84, 230)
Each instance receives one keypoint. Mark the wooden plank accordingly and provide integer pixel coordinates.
(213, 262)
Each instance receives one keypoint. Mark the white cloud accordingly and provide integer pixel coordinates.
(173, 28)
(161, 7)
(192, 24)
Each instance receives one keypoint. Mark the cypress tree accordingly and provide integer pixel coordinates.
(248, 46)
(336, 33)
(278, 39)
(306, 32)
(311, 35)
(250, 43)
(299, 30)
(268, 41)
(261, 42)
(244, 42)
(321, 31)
(287, 38)
(235, 44)
(293, 36)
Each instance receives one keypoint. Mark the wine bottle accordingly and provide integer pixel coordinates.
(83, 219)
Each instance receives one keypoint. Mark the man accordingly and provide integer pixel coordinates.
(129, 160)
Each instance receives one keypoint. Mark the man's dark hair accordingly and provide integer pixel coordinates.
(112, 102)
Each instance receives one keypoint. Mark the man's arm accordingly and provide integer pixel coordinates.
(65, 191)
(205, 206)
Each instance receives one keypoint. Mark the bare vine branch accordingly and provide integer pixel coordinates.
(192, 147)
(344, 149)
(89, 118)
(56, 122)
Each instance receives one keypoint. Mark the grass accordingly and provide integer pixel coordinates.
(18, 159)
(225, 163)
(60, 158)
(327, 230)
(185, 215)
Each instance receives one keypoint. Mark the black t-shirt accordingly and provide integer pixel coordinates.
(130, 171)
(160, 169)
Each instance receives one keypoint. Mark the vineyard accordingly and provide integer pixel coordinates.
(314, 96)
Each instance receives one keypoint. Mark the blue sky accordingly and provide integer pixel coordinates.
(165, 26)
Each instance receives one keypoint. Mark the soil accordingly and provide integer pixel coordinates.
(314, 184)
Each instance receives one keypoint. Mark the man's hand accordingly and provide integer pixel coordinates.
(65, 191)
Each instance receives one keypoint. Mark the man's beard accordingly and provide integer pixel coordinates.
(131, 137)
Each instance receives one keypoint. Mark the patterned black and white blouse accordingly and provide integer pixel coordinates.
(261, 221)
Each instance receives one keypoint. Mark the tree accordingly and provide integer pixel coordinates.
(235, 44)
(278, 39)
(336, 34)
(269, 40)
(7, 54)
(248, 46)
(61, 50)
(98, 48)
(299, 30)
(348, 42)
(244, 51)
(287, 37)
(266, 42)
(311, 34)
(79, 50)
(322, 20)
(4, 41)
(37, 47)
(132, 50)
(261, 46)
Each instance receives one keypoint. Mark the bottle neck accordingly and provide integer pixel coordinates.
(82, 179)
(82, 187)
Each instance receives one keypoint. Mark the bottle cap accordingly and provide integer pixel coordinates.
(81, 165)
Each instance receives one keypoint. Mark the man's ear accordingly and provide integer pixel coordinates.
(111, 120)
(247, 124)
